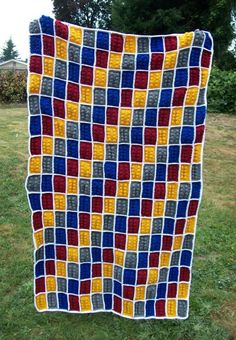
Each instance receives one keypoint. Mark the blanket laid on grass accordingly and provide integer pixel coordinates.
(116, 126)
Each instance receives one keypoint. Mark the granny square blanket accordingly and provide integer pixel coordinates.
(116, 125)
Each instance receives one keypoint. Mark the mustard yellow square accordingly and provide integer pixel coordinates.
(115, 60)
(84, 238)
(152, 275)
(86, 94)
(107, 270)
(162, 136)
(185, 40)
(51, 283)
(34, 83)
(149, 154)
(35, 165)
(100, 77)
(177, 242)
(172, 190)
(61, 48)
(140, 98)
(109, 205)
(140, 293)
(48, 66)
(47, 145)
(136, 171)
(85, 303)
(165, 259)
(85, 168)
(170, 60)
(145, 225)
(191, 96)
(158, 208)
(75, 35)
(204, 76)
(119, 257)
(132, 242)
(111, 134)
(72, 185)
(123, 189)
(185, 172)
(190, 225)
(96, 221)
(128, 308)
(38, 238)
(155, 80)
(96, 285)
(60, 202)
(61, 268)
(48, 219)
(72, 254)
(59, 127)
(176, 116)
(72, 110)
(183, 290)
(41, 302)
(98, 151)
(197, 154)
(171, 307)
(125, 116)
(130, 44)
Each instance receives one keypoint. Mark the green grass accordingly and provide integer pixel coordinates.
(213, 293)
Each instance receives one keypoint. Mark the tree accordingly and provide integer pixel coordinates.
(9, 51)
(169, 16)
(88, 13)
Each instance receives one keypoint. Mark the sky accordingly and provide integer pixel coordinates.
(15, 16)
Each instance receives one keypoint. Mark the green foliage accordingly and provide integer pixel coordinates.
(9, 51)
(12, 87)
(221, 91)
(88, 13)
(163, 17)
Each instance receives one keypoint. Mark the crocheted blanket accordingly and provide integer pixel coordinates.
(116, 124)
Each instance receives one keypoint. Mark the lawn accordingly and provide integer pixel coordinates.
(213, 293)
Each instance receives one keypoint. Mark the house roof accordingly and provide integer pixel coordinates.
(13, 60)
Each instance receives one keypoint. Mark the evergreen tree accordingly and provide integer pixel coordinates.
(89, 13)
(9, 51)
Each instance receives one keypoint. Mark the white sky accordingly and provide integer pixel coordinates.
(15, 16)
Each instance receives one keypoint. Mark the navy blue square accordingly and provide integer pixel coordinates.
(187, 135)
(157, 44)
(137, 135)
(200, 115)
(129, 276)
(59, 165)
(74, 72)
(99, 114)
(85, 271)
(161, 291)
(35, 201)
(47, 24)
(127, 79)
(108, 301)
(35, 125)
(113, 97)
(39, 269)
(73, 286)
(147, 190)
(60, 236)
(134, 207)
(46, 183)
(110, 170)
(59, 88)
(49, 252)
(186, 257)
(96, 254)
(156, 242)
(124, 152)
(181, 77)
(169, 226)
(151, 117)
(88, 56)
(120, 224)
(143, 61)
(46, 106)
(161, 172)
(35, 44)
(165, 100)
(97, 187)
(117, 288)
(84, 203)
(196, 190)
(72, 148)
(208, 41)
(174, 154)
(195, 56)
(150, 311)
(143, 260)
(173, 274)
(107, 239)
(103, 40)
(85, 131)
(62, 299)
(182, 208)
(72, 220)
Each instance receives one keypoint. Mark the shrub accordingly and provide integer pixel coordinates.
(13, 87)
(221, 91)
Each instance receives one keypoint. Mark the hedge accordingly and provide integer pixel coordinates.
(13, 87)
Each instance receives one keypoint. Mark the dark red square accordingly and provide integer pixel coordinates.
(116, 42)
(98, 133)
(157, 61)
(85, 150)
(150, 136)
(206, 58)
(117, 304)
(112, 115)
(110, 188)
(194, 76)
(192, 208)
(160, 308)
(47, 201)
(186, 153)
(61, 29)
(172, 290)
(179, 95)
(166, 242)
(72, 237)
(61, 253)
(124, 171)
(50, 267)
(184, 274)
(142, 277)
(35, 146)
(36, 64)
(74, 302)
(136, 153)
(101, 58)
(141, 80)
(47, 125)
(120, 240)
(73, 92)
(40, 285)
(163, 117)
(170, 43)
(72, 167)
(146, 208)
(108, 255)
(59, 183)
(85, 287)
(37, 220)
(84, 221)
(173, 172)
(199, 133)
(128, 292)
(154, 259)
(59, 108)
(96, 270)
(126, 98)
(133, 225)
(48, 45)
(160, 190)
(86, 75)
(97, 204)
(179, 226)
